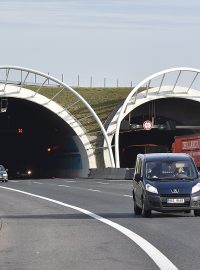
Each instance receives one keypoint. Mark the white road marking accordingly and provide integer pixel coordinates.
(127, 196)
(94, 190)
(69, 181)
(158, 257)
(14, 181)
(63, 186)
(102, 183)
(38, 183)
(119, 180)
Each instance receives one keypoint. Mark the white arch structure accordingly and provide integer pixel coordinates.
(178, 88)
(12, 85)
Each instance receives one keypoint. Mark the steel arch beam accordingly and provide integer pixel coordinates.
(86, 104)
(134, 92)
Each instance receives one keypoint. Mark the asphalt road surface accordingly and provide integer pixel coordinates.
(83, 224)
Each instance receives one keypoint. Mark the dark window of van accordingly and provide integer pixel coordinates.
(165, 169)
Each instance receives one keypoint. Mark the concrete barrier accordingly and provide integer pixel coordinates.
(111, 173)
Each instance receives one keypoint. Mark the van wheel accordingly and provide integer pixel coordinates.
(197, 213)
(137, 209)
(145, 212)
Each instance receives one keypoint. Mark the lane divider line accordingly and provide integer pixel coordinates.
(157, 256)
(96, 190)
(63, 186)
(102, 183)
(127, 196)
(38, 183)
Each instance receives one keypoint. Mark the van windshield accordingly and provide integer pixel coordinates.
(170, 170)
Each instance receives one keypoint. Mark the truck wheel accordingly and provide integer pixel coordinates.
(137, 209)
(197, 213)
(145, 212)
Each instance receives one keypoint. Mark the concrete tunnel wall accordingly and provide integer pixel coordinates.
(82, 142)
(180, 92)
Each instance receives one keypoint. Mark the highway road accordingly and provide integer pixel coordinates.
(84, 224)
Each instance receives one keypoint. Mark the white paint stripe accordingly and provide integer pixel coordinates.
(38, 183)
(94, 190)
(14, 181)
(63, 186)
(158, 257)
(119, 180)
(102, 183)
(69, 181)
(127, 196)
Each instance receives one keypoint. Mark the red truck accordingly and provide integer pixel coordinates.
(189, 144)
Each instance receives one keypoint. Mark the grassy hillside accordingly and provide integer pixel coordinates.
(102, 100)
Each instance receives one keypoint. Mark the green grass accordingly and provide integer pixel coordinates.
(102, 100)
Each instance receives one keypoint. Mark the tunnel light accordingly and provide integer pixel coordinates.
(3, 105)
(20, 130)
(135, 126)
(161, 126)
(49, 149)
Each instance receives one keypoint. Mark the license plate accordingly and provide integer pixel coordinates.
(177, 200)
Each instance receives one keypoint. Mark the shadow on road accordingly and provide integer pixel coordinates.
(68, 216)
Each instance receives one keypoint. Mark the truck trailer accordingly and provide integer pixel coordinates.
(189, 144)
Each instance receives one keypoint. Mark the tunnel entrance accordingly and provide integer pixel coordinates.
(183, 113)
(32, 138)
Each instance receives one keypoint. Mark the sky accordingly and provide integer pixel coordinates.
(113, 41)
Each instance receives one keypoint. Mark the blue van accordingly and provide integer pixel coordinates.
(165, 182)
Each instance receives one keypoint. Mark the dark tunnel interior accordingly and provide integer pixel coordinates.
(34, 138)
(184, 113)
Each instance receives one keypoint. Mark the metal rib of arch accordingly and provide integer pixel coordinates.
(45, 80)
(146, 83)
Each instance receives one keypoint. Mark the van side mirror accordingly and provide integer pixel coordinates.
(137, 177)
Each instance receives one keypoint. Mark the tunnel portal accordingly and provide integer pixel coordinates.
(34, 138)
(184, 113)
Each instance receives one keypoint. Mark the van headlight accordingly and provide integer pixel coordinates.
(151, 189)
(196, 188)
(5, 174)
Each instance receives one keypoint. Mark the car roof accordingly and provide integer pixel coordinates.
(165, 156)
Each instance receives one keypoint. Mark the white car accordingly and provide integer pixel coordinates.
(3, 174)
